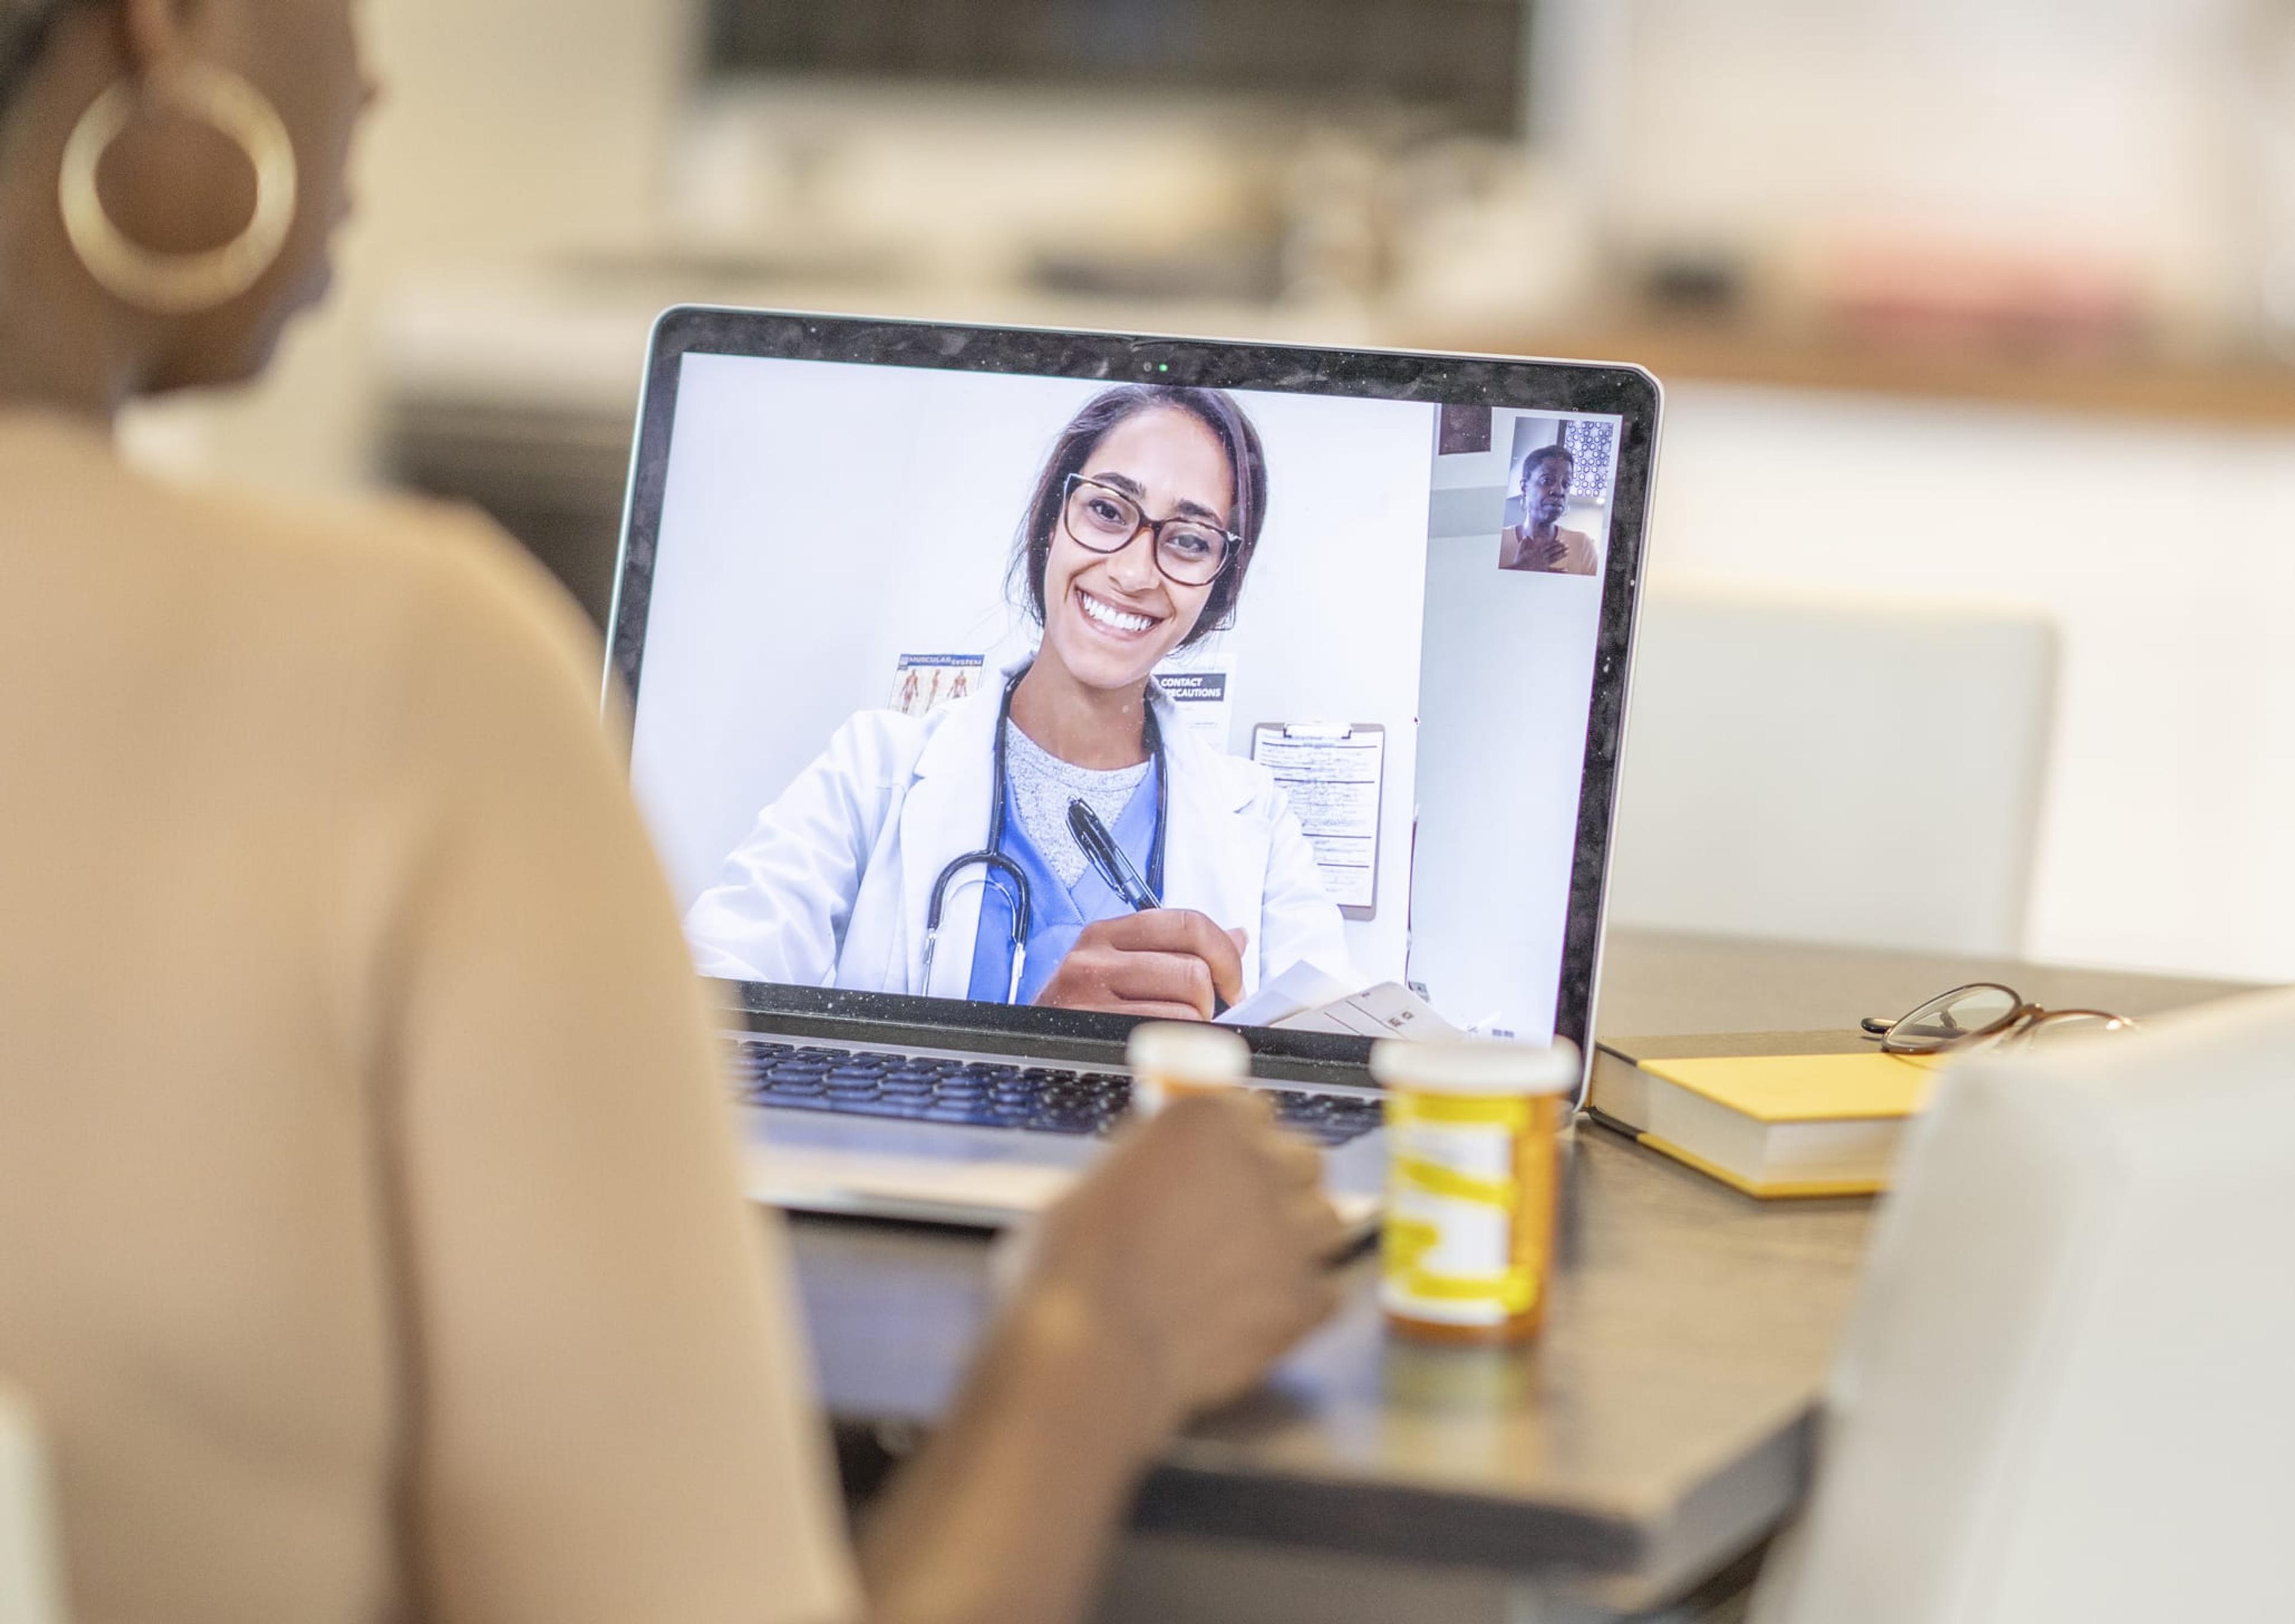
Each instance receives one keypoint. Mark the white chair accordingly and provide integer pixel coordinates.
(2067, 1395)
(31, 1586)
(1845, 770)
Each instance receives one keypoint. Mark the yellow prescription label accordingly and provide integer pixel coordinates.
(1453, 1252)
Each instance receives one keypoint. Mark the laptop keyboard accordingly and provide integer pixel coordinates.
(987, 1094)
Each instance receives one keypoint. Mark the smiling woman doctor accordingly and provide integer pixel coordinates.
(946, 854)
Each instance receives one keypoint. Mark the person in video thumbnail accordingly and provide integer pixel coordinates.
(1057, 836)
(1537, 542)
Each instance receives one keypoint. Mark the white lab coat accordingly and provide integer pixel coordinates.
(831, 886)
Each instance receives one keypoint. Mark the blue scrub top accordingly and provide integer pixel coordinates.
(1058, 913)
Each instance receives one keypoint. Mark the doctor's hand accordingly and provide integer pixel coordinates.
(1168, 964)
(1199, 1248)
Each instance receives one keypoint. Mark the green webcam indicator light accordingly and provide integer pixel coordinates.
(1165, 366)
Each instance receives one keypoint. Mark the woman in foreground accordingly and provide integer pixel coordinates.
(370, 1240)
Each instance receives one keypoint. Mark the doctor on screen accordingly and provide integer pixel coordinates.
(1057, 838)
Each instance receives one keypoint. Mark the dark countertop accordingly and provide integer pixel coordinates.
(1661, 1426)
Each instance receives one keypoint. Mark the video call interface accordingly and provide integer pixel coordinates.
(953, 682)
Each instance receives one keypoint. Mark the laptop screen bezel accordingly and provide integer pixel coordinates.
(1625, 392)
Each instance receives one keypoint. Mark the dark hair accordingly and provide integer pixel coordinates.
(25, 26)
(1555, 452)
(1246, 459)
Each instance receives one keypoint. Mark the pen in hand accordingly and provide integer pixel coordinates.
(1097, 844)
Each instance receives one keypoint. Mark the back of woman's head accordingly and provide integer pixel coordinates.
(25, 26)
(171, 173)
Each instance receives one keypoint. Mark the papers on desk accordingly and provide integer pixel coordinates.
(1388, 1010)
(1335, 775)
(1304, 998)
(1295, 992)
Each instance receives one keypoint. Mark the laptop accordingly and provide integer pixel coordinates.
(997, 689)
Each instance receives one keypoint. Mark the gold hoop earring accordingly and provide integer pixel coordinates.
(180, 285)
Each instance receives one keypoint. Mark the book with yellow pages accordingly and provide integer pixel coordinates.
(1773, 1114)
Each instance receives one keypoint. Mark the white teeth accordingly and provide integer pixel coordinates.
(1113, 618)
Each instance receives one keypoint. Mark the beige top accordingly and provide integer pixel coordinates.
(1577, 555)
(370, 1235)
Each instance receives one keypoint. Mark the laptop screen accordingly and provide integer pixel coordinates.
(1137, 697)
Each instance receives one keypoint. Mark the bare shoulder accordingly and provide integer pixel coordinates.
(386, 579)
(387, 635)
(320, 655)
(164, 576)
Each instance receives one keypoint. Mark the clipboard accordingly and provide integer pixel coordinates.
(1336, 774)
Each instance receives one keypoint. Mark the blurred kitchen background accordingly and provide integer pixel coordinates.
(1981, 303)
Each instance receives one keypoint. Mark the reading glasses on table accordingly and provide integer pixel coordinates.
(1984, 1014)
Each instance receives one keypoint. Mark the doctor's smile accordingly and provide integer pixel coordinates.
(938, 855)
(1112, 620)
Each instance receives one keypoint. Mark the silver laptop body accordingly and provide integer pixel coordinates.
(815, 503)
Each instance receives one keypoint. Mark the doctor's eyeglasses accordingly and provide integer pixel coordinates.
(1981, 1016)
(1101, 518)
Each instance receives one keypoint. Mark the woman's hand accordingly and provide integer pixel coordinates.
(1165, 1282)
(1198, 1251)
(1168, 964)
(1523, 552)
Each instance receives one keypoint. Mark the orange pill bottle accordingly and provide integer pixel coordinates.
(1472, 1187)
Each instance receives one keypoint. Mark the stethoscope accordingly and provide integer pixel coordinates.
(995, 865)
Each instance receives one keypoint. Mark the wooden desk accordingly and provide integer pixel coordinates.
(1660, 1429)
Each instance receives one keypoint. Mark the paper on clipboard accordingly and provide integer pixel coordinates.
(1335, 774)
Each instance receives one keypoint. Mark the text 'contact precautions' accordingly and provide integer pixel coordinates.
(1335, 774)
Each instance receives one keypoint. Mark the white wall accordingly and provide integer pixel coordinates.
(2165, 553)
(1503, 701)
(885, 502)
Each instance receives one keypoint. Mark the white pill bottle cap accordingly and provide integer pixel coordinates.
(1477, 1067)
(1168, 1055)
